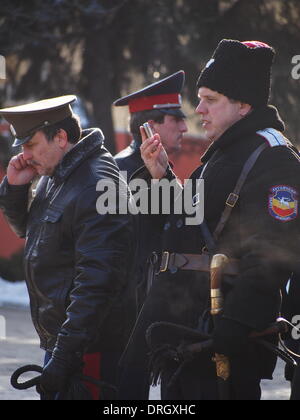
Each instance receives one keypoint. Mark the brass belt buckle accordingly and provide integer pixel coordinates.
(232, 199)
(164, 261)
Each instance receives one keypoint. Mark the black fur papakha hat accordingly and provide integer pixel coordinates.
(240, 70)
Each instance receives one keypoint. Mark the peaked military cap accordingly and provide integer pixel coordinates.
(26, 120)
(163, 95)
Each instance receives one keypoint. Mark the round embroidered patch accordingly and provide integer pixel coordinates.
(283, 203)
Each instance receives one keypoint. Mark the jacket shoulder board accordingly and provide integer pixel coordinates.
(273, 137)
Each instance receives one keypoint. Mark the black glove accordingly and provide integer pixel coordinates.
(289, 370)
(230, 337)
(60, 368)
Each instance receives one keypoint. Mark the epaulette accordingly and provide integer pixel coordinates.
(273, 137)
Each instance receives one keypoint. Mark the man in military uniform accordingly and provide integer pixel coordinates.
(159, 104)
(252, 174)
(77, 261)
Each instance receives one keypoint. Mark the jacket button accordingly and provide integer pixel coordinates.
(179, 223)
(167, 226)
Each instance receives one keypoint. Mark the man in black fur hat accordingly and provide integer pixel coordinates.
(251, 174)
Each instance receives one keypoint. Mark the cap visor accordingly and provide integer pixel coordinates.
(19, 142)
(173, 111)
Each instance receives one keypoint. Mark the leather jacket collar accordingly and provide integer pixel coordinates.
(91, 141)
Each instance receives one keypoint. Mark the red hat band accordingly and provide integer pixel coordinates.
(256, 44)
(170, 100)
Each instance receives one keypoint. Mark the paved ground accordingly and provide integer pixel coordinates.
(21, 347)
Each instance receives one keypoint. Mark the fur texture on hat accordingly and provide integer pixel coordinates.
(240, 70)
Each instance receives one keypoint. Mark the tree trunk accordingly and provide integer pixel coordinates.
(96, 68)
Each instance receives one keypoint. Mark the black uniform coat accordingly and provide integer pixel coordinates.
(130, 161)
(77, 261)
(265, 242)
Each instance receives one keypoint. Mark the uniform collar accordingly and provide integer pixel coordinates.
(135, 145)
(258, 119)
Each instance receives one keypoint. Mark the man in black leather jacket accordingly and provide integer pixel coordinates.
(77, 260)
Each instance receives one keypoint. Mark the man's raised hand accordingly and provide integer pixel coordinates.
(19, 172)
(154, 155)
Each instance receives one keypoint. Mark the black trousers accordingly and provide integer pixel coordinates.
(198, 380)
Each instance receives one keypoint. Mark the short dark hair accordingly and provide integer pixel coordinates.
(71, 125)
(138, 118)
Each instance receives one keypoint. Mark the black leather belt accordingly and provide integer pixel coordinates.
(197, 262)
